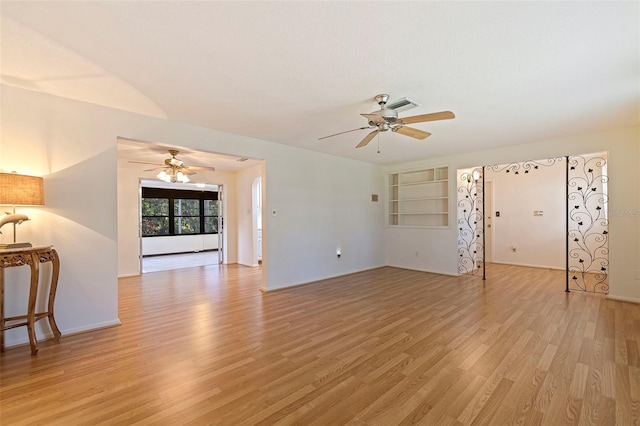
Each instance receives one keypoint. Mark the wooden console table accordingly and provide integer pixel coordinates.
(33, 257)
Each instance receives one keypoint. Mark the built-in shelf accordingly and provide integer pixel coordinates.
(419, 198)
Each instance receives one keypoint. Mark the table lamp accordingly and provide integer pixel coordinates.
(19, 190)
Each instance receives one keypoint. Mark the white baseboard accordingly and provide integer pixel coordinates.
(431, 271)
(623, 298)
(129, 275)
(529, 266)
(327, 277)
(249, 265)
(65, 332)
(92, 327)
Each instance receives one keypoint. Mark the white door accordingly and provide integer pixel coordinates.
(488, 215)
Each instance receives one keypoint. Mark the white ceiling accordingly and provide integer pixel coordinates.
(291, 72)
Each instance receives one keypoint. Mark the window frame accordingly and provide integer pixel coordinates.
(177, 205)
(205, 216)
(151, 217)
(180, 194)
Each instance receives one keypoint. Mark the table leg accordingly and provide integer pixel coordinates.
(55, 260)
(1, 309)
(31, 310)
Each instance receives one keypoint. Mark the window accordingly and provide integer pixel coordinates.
(169, 212)
(155, 216)
(186, 216)
(211, 216)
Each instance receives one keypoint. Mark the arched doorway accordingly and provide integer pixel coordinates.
(256, 203)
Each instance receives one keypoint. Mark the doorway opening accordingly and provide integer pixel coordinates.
(548, 214)
(234, 174)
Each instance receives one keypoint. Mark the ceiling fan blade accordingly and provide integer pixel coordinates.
(211, 169)
(434, 116)
(367, 139)
(375, 118)
(186, 171)
(146, 162)
(410, 131)
(155, 168)
(336, 134)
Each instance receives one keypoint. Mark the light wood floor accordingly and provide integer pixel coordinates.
(385, 347)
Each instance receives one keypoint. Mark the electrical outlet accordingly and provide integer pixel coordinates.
(417, 254)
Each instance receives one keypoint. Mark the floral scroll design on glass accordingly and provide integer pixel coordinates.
(525, 167)
(470, 216)
(588, 224)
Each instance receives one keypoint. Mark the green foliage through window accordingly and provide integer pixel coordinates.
(155, 216)
(179, 212)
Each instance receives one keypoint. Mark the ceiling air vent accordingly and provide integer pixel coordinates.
(403, 104)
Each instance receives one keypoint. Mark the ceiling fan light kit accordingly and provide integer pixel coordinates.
(170, 177)
(174, 170)
(386, 118)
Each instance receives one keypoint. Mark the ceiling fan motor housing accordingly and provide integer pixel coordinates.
(389, 115)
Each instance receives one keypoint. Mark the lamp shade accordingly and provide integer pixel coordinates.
(21, 190)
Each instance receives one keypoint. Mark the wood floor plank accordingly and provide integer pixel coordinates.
(387, 346)
(522, 396)
(485, 416)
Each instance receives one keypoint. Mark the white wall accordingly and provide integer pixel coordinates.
(539, 240)
(129, 175)
(179, 244)
(77, 157)
(439, 246)
(321, 203)
(72, 144)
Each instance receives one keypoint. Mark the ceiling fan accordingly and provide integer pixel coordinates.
(387, 119)
(174, 170)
